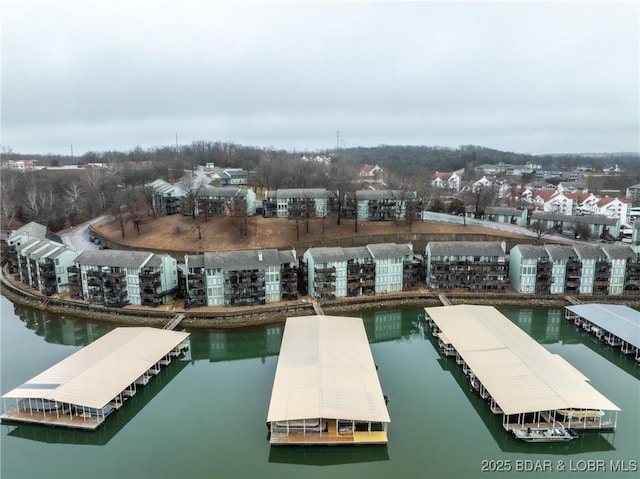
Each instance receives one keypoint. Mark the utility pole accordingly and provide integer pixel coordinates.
(72, 153)
(338, 141)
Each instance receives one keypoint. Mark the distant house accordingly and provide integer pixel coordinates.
(575, 175)
(572, 187)
(446, 180)
(553, 201)
(322, 159)
(371, 174)
(167, 199)
(229, 176)
(487, 181)
(20, 165)
(549, 172)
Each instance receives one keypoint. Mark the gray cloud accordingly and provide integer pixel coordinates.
(532, 77)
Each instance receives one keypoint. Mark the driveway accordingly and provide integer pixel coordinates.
(78, 239)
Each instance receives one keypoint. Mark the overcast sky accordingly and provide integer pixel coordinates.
(534, 77)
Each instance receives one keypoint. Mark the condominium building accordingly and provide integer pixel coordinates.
(42, 264)
(298, 202)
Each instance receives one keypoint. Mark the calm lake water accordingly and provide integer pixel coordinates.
(204, 416)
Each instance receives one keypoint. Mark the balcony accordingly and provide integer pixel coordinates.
(331, 270)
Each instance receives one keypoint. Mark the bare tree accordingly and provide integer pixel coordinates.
(73, 196)
(539, 229)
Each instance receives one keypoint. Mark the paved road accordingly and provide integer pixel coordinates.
(78, 239)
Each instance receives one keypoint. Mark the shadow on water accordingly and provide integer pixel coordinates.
(327, 456)
(114, 423)
(587, 441)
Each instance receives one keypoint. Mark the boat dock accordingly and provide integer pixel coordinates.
(82, 390)
(175, 321)
(616, 325)
(531, 388)
(326, 389)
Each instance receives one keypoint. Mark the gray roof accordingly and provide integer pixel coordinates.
(327, 254)
(465, 248)
(288, 256)
(531, 251)
(618, 251)
(48, 248)
(588, 251)
(503, 210)
(389, 250)
(194, 261)
(117, 258)
(299, 193)
(221, 191)
(620, 320)
(30, 245)
(242, 260)
(33, 229)
(587, 219)
(378, 194)
(357, 252)
(557, 251)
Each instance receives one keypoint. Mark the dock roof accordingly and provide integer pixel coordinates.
(520, 374)
(622, 321)
(326, 370)
(97, 373)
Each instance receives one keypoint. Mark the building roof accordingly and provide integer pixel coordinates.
(586, 219)
(194, 261)
(465, 248)
(327, 254)
(520, 374)
(619, 251)
(303, 193)
(33, 230)
(390, 250)
(531, 251)
(326, 370)
(118, 258)
(378, 194)
(588, 251)
(503, 210)
(622, 321)
(559, 251)
(357, 252)
(96, 374)
(221, 191)
(242, 260)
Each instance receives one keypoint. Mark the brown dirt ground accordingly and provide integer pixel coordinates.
(178, 233)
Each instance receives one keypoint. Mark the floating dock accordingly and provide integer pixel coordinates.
(326, 389)
(83, 389)
(529, 386)
(613, 324)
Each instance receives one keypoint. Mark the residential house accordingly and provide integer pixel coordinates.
(229, 176)
(473, 266)
(567, 187)
(115, 278)
(553, 201)
(485, 182)
(613, 208)
(575, 175)
(446, 180)
(241, 278)
(19, 165)
(519, 170)
(298, 202)
(548, 172)
(371, 174)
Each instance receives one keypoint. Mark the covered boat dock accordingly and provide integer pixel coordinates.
(615, 324)
(531, 387)
(326, 389)
(83, 389)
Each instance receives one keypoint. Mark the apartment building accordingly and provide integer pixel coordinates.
(241, 278)
(383, 205)
(42, 264)
(115, 278)
(298, 202)
(472, 266)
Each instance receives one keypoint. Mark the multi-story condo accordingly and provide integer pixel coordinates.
(42, 264)
(116, 278)
(335, 272)
(527, 271)
(298, 202)
(383, 205)
(561, 256)
(215, 201)
(624, 268)
(27, 232)
(593, 266)
(167, 199)
(241, 278)
(466, 265)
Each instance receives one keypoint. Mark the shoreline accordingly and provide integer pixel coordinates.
(246, 317)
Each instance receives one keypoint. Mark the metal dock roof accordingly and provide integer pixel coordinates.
(326, 370)
(622, 321)
(96, 374)
(520, 374)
